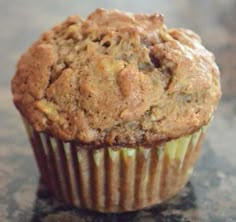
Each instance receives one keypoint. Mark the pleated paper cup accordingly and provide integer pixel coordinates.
(114, 180)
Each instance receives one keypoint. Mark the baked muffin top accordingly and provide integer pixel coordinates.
(117, 79)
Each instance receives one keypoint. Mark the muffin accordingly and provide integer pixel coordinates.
(116, 107)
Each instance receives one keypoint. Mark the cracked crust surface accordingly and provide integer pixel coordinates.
(117, 79)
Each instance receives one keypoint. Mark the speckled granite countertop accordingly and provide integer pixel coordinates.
(210, 194)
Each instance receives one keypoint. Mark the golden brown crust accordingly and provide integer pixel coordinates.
(117, 79)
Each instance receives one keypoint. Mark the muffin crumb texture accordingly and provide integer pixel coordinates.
(117, 79)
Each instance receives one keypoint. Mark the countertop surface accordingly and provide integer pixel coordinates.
(210, 194)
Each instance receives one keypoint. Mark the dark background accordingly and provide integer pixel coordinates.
(211, 192)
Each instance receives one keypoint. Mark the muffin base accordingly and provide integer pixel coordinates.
(114, 180)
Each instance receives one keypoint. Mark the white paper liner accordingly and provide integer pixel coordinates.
(109, 180)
